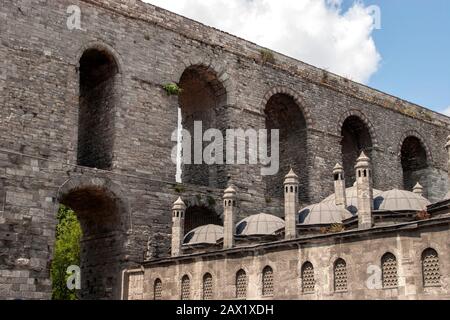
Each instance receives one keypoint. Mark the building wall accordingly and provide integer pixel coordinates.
(362, 255)
(39, 99)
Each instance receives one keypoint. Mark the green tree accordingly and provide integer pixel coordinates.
(67, 253)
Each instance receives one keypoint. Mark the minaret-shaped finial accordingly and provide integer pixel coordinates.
(178, 215)
(291, 190)
(229, 217)
(364, 191)
(418, 189)
(339, 187)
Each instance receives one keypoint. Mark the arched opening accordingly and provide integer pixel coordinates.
(284, 114)
(197, 216)
(98, 99)
(414, 163)
(202, 99)
(267, 282)
(102, 219)
(355, 139)
(208, 290)
(340, 275)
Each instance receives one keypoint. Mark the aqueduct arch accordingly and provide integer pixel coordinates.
(203, 98)
(98, 98)
(415, 161)
(284, 113)
(356, 137)
(104, 218)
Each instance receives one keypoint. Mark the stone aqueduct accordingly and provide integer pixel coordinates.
(85, 122)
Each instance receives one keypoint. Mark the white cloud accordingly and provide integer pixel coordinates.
(314, 31)
(446, 111)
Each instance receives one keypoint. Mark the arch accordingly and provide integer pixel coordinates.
(299, 101)
(208, 287)
(202, 101)
(267, 282)
(196, 216)
(241, 284)
(340, 275)
(364, 119)
(356, 137)
(389, 271)
(415, 159)
(99, 85)
(103, 213)
(157, 289)
(283, 113)
(430, 268)
(415, 134)
(185, 288)
(308, 278)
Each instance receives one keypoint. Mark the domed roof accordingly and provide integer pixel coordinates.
(323, 213)
(400, 200)
(352, 198)
(208, 234)
(259, 225)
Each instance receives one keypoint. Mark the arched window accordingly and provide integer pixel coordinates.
(308, 280)
(355, 138)
(98, 99)
(389, 271)
(430, 268)
(241, 284)
(208, 287)
(185, 288)
(157, 289)
(284, 114)
(414, 163)
(340, 276)
(267, 282)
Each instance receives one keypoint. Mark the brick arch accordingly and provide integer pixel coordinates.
(364, 119)
(103, 47)
(304, 108)
(216, 68)
(103, 213)
(109, 187)
(423, 141)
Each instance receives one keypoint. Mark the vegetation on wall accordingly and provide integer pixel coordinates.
(267, 56)
(172, 89)
(66, 253)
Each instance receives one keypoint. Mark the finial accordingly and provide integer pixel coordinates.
(418, 189)
(291, 178)
(229, 192)
(362, 161)
(179, 204)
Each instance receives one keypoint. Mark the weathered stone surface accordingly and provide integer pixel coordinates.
(122, 207)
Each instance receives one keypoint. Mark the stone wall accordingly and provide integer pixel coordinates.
(361, 252)
(40, 111)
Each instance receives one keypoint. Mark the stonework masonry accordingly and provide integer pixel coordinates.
(119, 176)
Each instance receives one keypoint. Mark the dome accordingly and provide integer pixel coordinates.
(323, 213)
(400, 200)
(208, 234)
(259, 225)
(352, 198)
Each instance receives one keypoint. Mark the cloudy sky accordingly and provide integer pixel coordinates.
(405, 51)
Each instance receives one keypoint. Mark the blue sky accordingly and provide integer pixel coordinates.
(409, 57)
(414, 43)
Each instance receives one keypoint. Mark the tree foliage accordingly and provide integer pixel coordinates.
(67, 253)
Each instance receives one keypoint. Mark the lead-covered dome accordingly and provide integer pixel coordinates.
(400, 200)
(323, 213)
(352, 198)
(208, 234)
(259, 225)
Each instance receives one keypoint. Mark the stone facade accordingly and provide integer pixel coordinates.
(362, 253)
(119, 177)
